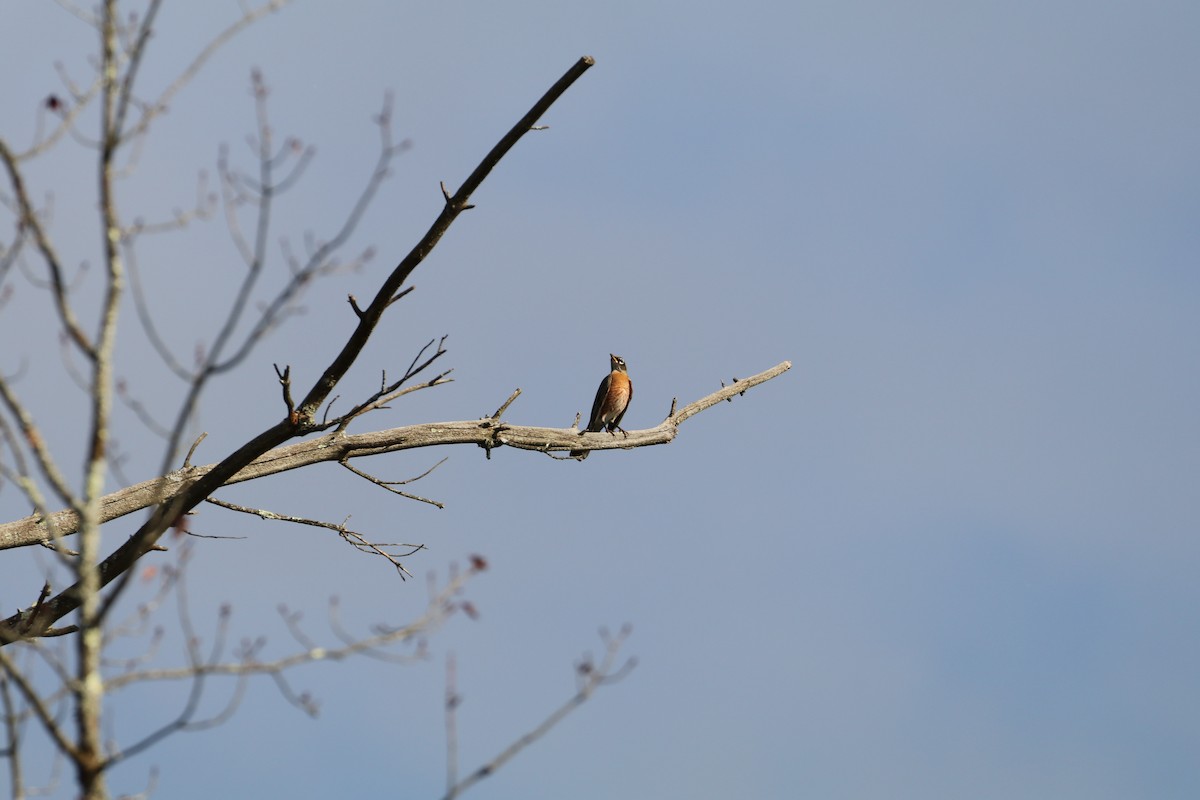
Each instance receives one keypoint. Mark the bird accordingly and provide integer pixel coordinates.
(612, 400)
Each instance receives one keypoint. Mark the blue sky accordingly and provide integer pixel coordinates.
(951, 553)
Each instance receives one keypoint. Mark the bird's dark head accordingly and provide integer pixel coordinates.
(618, 363)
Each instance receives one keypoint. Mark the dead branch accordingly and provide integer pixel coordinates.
(389, 485)
(358, 540)
(342, 447)
(393, 391)
(500, 411)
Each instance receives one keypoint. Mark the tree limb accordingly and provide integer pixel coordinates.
(305, 420)
(337, 447)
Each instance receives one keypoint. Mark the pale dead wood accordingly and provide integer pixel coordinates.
(340, 447)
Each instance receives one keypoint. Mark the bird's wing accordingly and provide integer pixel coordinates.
(594, 423)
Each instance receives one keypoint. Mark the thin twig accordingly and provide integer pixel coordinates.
(34, 701)
(185, 77)
(439, 609)
(388, 485)
(451, 702)
(358, 540)
(29, 219)
(591, 677)
(187, 461)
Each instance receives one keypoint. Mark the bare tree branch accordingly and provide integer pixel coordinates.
(36, 443)
(202, 210)
(249, 17)
(305, 420)
(13, 732)
(441, 605)
(35, 702)
(591, 676)
(389, 485)
(30, 220)
(341, 447)
(389, 392)
(67, 113)
(358, 540)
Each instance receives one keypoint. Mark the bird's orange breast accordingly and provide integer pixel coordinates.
(620, 388)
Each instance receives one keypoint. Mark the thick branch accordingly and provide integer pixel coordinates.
(20, 625)
(339, 447)
(455, 205)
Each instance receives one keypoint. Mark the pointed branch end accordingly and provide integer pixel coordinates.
(399, 295)
(499, 411)
(285, 381)
(187, 462)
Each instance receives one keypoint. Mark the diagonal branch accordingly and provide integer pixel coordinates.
(591, 677)
(35, 702)
(171, 507)
(455, 205)
(29, 219)
(38, 448)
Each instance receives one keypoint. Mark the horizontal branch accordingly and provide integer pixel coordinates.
(488, 433)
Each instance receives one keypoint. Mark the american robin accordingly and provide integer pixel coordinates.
(612, 398)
